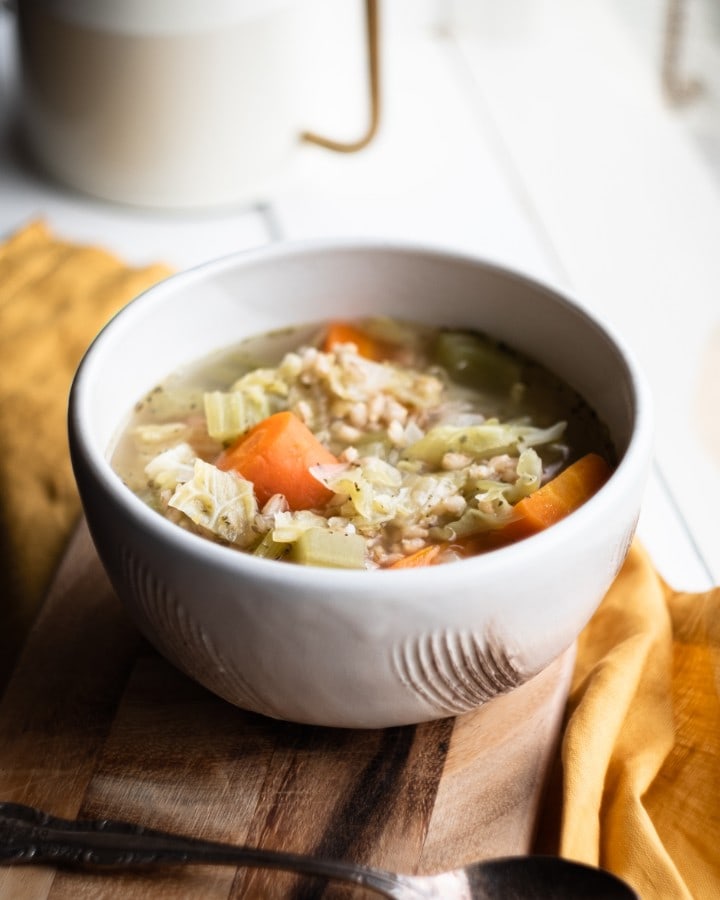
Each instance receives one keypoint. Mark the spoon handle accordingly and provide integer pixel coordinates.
(29, 835)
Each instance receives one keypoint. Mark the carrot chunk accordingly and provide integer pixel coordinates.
(546, 506)
(347, 333)
(562, 495)
(276, 456)
(425, 556)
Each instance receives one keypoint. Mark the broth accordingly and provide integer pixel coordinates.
(367, 444)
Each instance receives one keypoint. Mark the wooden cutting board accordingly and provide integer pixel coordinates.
(94, 723)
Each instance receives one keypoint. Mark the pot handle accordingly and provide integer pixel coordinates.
(373, 62)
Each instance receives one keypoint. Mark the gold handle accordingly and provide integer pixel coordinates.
(373, 58)
(679, 90)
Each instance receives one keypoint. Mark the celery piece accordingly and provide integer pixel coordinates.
(270, 549)
(230, 414)
(475, 361)
(320, 547)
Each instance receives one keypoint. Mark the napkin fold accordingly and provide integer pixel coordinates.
(637, 786)
(640, 762)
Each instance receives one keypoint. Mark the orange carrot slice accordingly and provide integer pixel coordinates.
(562, 495)
(347, 333)
(425, 556)
(276, 456)
(546, 506)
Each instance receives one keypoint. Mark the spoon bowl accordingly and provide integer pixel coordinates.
(28, 835)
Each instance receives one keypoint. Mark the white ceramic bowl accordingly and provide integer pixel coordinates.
(355, 648)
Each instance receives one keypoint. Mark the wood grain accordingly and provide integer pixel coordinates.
(94, 723)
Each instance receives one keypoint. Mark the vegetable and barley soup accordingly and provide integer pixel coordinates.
(366, 444)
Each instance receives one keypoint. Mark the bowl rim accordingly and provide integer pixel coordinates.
(630, 468)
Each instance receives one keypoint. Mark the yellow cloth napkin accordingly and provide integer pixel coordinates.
(641, 747)
(54, 297)
(638, 782)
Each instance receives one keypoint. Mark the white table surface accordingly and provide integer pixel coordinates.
(511, 137)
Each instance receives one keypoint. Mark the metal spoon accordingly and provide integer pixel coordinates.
(28, 835)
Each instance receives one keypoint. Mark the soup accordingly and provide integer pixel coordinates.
(368, 444)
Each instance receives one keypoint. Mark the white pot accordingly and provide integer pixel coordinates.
(168, 103)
